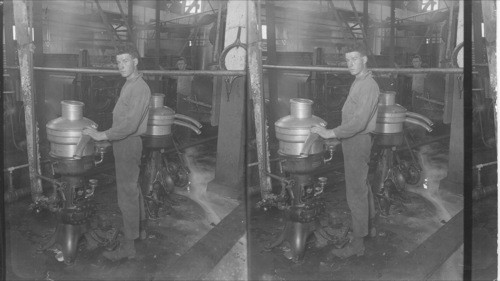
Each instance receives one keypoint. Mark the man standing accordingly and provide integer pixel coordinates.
(418, 81)
(130, 117)
(183, 82)
(359, 115)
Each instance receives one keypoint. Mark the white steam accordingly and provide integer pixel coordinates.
(202, 168)
(434, 169)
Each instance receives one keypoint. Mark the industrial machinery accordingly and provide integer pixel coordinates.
(301, 197)
(72, 156)
(160, 174)
(393, 173)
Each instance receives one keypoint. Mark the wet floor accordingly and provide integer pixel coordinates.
(425, 210)
(179, 228)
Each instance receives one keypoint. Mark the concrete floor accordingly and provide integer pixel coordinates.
(199, 212)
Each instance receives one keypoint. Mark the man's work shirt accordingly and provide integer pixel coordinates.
(184, 85)
(130, 115)
(417, 83)
(359, 113)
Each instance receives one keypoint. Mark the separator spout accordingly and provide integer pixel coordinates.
(187, 125)
(189, 119)
(419, 123)
(419, 116)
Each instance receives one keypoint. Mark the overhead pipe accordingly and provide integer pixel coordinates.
(379, 70)
(145, 72)
(243, 72)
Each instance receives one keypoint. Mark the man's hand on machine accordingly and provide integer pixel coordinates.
(332, 142)
(93, 133)
(323, 132)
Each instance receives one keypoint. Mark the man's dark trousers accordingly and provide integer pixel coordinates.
(356, 152)
(127, 154)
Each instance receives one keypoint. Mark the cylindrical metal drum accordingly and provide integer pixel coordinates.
(65, 132)
(391, 116)
(293, 130)
(161, 118)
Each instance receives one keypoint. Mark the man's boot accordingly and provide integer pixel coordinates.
(126, 250)
(355, 247)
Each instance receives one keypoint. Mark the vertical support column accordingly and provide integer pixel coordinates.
(10, 49)
(157, 44)
(317, 59)
(366, 21)
(393, 33)
(257, 95)
(230, 169)
(489, 20)
(38, 59)
(109, 27)
(450, 43)
(454, 181)
(10, 46)
(490, 34)
(274, 107)
(126, 22)
(26, 49)
(130, 19)
(216, 89)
